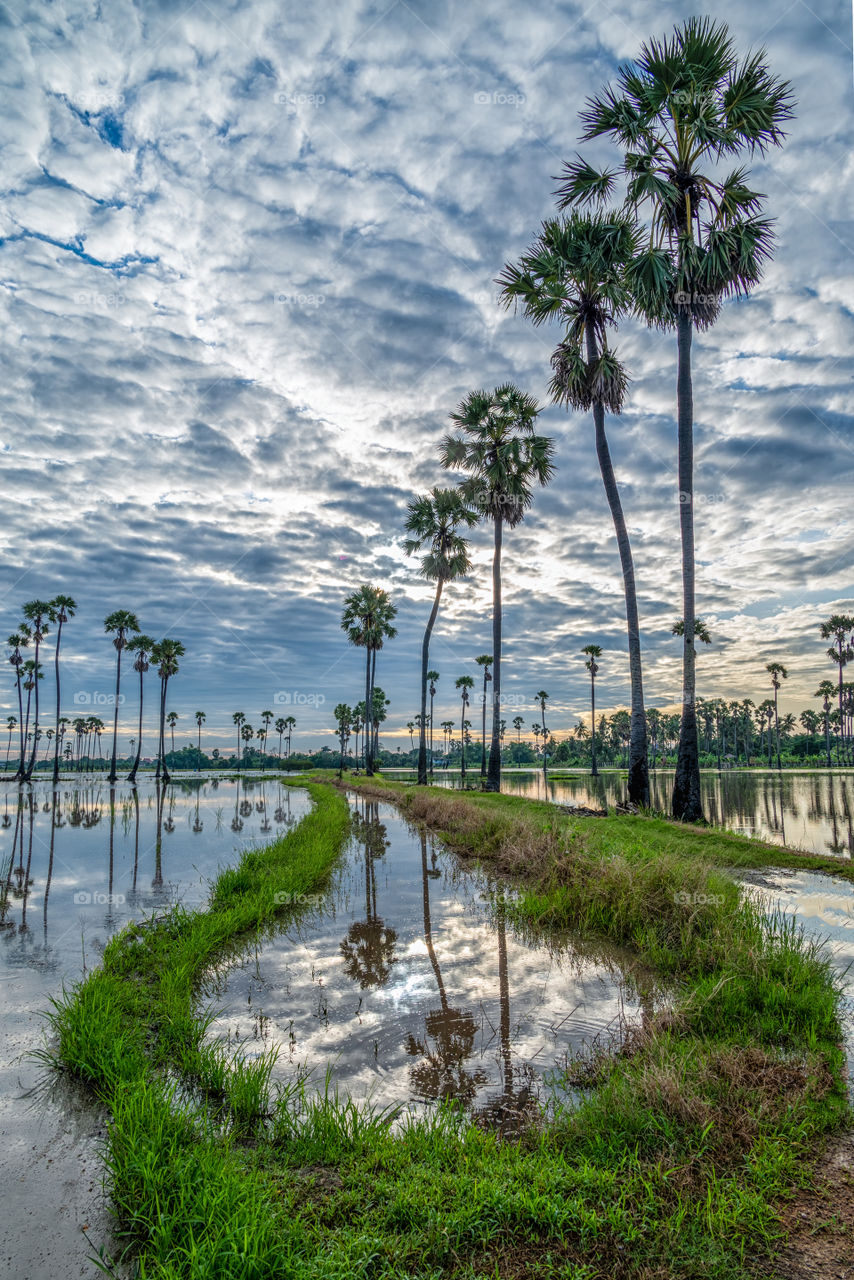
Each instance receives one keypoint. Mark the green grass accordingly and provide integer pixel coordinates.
(672, 1164)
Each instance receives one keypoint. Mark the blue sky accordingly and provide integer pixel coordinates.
(247, 257)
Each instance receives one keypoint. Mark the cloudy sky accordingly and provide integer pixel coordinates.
(248, 262)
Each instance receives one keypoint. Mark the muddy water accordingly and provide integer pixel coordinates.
(812, 810)
(76, 865)
(410, 984)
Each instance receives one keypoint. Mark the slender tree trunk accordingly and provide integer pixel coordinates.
(369, 719)
(425, 665)
(687, 799)
(29, 770)
(594, 772)
(111, 777)
(777, 730)
(431, 734)
(56, 729)
(493, 775)
(133, 772)
(638, 780)
(20, 770)
(463, 744)
(164, 682)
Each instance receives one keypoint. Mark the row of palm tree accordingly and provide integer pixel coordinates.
(284, 727)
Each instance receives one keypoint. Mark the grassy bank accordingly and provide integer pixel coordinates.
(671, 1165)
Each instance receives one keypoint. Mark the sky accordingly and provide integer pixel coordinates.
(247, 267)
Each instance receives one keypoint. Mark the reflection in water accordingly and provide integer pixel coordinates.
(810, 810)
(433, 994)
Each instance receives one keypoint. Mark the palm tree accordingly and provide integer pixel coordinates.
(367, 620)
(119, 625)
(503, 459)
(593, 651)
(701, 631)
(64, 607)
(576, 273)
(290, 725)
(432, 676)
(39, 613)
(410, 724)
(247, 733)
(433, 523)
(31, 674)
(18, 641)
(463, 683)
(172, 720)
(343, 723)
(778, 674)
(838, 627)
(518, 722)
(165, 654)
(11, 725)
(447, 730)
(141, 646)
(280, 727)
(484, 660)
(200, 720)
(542, 698)
(682, 107)
(825, 691)
(238, 719)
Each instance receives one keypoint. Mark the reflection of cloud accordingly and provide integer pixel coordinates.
(240, 301)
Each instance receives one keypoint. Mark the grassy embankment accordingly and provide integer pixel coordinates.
(670, 1167)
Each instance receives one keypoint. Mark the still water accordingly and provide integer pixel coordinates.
(76, 865)
(811, 810)
(409, 982)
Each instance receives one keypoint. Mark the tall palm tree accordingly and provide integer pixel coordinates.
(343, 724)
(238, 719)
(172, 720)
(18, 641)
(838, 628)
(433, 523)
(576, 273)
(825, 691)
(266, 716)
(502, 459)
(518, 722)
(140, 646)
(39, 614)
(542, 698)
(200, 720)
(447, 727)
(593, 651)
(484, 660)
(432, 677)
(683, 106)
(367, 620)
(31, 674)
(410, 724)
(778, 674)
(280, 728)
(165, 655)
(120, 625)
(290, 725)
(11, 725)
(247, 733)
(64, 607)
(464, 683)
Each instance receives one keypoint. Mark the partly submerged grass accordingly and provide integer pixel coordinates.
(669, 1167)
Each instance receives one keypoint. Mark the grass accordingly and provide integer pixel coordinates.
(672, 1165)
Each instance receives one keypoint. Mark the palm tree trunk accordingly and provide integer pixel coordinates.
(425, 665)
(638, 780)
(20, 769)
(483, 728)
(463, 744)
(777, 730)
(163, 684)
(29, 771)
(132, 775)
(594, 772)
(687, 800)
(56, 729)
(369, 738)
(493, 776)
(111, 777)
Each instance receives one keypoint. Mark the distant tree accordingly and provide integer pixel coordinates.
(778, 674)
(592, 652)
(39, 614)
(120, 625)
(64, 607)
(200, 720)
(165, 655)
(141, 646)
(484, 660)
(464, 684)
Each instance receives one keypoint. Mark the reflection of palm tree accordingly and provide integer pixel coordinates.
(157, 882)
(504, 1111)
(440, 1074)
(368, 949)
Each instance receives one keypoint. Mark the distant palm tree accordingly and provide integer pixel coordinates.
(31, 675)
(140, 646)
(120, 625)
(367, 620)
(503, 459)
(433, 523)
(410, 724)
(484, 660)
(18, 641)
(432, 676)
(838, 627)
(247, 733)
(39, 614)
(778, 674)
(593, 651)
(290, 725)
(238, 718)
(200, 720)
(518, 723)
(280, 728)
(172, 720)
(266, 716)
(577, 272)
(447, 730)
(825, 691)
(165, 655)
(343, 724)
(464, 683)
(542, 698)
(11, 725)
(64, 607)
